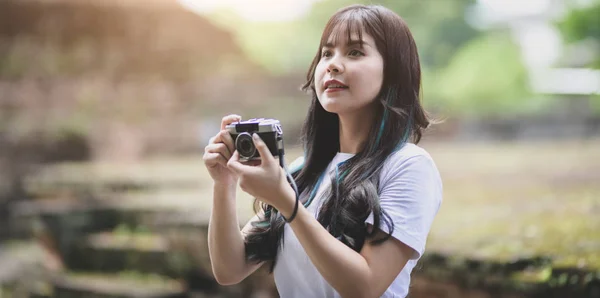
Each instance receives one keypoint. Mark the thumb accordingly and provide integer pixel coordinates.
(262, 148)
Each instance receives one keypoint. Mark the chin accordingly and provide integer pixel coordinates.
(330, 106)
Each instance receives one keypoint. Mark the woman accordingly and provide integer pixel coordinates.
(368, 195)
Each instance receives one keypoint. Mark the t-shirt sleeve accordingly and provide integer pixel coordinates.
(410, 192)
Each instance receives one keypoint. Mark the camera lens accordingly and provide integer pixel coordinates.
(244, 145)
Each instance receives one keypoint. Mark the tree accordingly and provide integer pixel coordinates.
(583, 24)
(486, 76)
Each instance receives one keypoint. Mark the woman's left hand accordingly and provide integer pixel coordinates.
(265, 180)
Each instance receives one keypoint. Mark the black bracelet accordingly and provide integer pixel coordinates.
(293, 212)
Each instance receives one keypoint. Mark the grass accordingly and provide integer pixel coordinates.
(505, 201)
(126, 280)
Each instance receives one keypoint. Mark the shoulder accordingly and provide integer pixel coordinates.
(410, 156)
(409, 150)
(409, 168)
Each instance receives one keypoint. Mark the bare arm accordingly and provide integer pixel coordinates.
(226, 241)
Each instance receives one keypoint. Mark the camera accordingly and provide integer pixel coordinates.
(269, 131)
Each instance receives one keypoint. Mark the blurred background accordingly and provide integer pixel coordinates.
(106, 106)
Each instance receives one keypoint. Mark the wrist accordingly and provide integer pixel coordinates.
(224, 187)
(288, 204)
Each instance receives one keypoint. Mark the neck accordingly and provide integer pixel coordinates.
(354, 131)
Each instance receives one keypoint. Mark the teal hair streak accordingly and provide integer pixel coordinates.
(405, 136)
(406, 129)
(380, 133)
(313, 193)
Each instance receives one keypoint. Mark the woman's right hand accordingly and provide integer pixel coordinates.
(218, 152)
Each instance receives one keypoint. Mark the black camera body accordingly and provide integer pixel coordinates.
(269, 131)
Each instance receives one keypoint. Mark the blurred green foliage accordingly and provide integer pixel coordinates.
(583, 24)
(486, 75)
(438, 26)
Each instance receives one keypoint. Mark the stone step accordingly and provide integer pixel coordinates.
(111, 252)
(96, 177)
(167, 222)
(120, 285)
(528, 277)
(17, 259)
(68, 220)
(30, 287)
(191, 209)
(142, 255)
(140, 202)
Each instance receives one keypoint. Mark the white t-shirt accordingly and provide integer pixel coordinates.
(410, 192)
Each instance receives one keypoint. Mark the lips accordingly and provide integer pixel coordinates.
(334, 84)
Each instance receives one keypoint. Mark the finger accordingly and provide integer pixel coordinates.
(265, 154)
(234, 163)
(223, 137)
(219, 148)
(229, 119)
(236, 166)
(218, 138)
(213, 159)
(228, 140)
(212, 140)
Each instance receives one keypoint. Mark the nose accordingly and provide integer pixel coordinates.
(335, 65)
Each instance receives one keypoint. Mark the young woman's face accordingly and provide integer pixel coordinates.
(348, 77)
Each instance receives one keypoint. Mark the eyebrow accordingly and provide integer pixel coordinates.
(350, 43)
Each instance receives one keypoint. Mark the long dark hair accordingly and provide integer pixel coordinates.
(353, 195)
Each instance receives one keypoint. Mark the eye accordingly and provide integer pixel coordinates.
(355, 53)
(325, 53)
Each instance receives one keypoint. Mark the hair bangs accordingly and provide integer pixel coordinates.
(344, 27)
